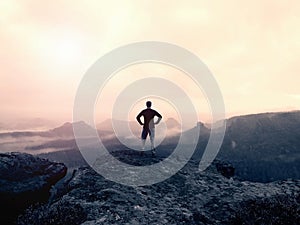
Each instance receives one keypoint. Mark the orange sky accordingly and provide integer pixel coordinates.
(251, 47)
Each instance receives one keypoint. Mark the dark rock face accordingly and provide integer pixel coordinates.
(263, 147)
(224, 168)
(25, 180)
(189, 197)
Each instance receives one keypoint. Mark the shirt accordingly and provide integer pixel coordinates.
(148, 115)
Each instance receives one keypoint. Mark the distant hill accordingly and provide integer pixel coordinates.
(171, 123)
(121, 125)
(66, 130)
(27, 124)
(63, 131)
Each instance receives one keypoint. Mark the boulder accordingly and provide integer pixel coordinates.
(25, 180)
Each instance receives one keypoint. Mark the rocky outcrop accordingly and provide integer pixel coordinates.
(263, 147)
(189, 197)
(225, 169)
(25, 180)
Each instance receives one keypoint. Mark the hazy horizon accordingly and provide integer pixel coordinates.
(23, 124)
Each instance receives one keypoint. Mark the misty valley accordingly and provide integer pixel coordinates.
(262, 147)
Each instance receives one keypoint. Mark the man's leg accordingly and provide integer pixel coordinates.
(143, 137)
(152, 136)
(143, 144)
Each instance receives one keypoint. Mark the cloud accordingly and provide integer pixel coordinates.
(295, 96)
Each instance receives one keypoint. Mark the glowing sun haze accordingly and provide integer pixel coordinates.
(251, 47)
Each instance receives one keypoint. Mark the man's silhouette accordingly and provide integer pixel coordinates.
(148, 125)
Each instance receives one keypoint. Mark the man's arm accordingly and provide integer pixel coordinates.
(159, 117)
(138, 118)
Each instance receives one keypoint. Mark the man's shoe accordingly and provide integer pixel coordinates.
(153, 151)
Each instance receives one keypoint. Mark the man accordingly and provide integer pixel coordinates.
(148, 125)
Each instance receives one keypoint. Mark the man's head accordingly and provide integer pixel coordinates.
(148, 104)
